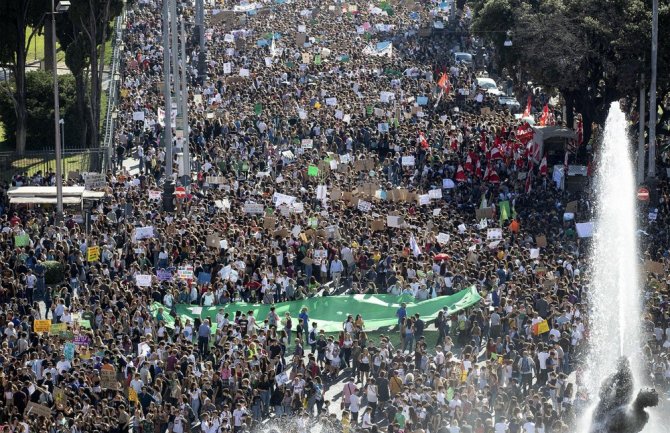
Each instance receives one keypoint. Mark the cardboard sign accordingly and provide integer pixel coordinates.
(541, 241)
(108, 379)
(378, 225)
(34, 410)
(364, 206)
(572, 207)
(42, 326)
(215, 180)
(654, 267)
(213, 241)
(484, 213)
(269, 223)
(435, 194)
(57, 328)
(185, 272)
(94, 180)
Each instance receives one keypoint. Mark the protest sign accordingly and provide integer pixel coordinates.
(93, 254)
(253, 208)
(34, 410)
(484, 213)
(443, 238)
(313, 171)
(494, 234)
(143, 280)
(108, 379)
(541, 241)
(22, 240)
(155, 195)
(164, 274)
(424, 199)
(42, 326)
(94, 180)
(653, 267)
(364, 206)
(185, 272)
(394, 221)
(144, 233)
(435, 194)
(407, 160)
(68, 351)
(584, 230)
(213, 241)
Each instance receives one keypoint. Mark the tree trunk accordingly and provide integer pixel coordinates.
(569, 109)
(81, 105)
(20, 93)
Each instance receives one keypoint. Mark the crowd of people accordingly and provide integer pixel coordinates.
(324, 163)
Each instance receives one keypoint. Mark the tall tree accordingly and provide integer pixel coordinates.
(92, 17)
(20, 20)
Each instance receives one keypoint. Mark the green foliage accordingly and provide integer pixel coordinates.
(40, 106)
(54, 273)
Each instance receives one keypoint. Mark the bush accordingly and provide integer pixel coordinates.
(55, 272)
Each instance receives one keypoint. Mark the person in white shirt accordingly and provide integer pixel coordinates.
(354, 406)
(501, 426)
(239, 414)
(529, 425)
(63, 365)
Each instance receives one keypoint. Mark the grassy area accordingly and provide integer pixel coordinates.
(36, 48)
(33, 165)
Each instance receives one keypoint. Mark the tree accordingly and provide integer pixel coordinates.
(592, 51)
(39, 103)
(18, 18)
(92, 18)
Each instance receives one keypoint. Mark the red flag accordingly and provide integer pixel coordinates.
(495, 154)
(423, 141)
(544, 119)
(526, 112)
(468, 164)
(543, 166)
(460, 174)
(493, 177)
(529, 178)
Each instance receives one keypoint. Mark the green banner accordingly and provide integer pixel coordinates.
(329, 312)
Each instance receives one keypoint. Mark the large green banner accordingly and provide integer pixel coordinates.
(329, 312)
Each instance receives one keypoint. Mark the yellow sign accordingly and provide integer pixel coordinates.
(57, 328)
(132, 395)
(93, 254)
(42, 326)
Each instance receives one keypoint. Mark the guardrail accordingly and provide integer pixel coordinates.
(112, 92)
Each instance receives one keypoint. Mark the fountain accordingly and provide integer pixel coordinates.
(614, 295)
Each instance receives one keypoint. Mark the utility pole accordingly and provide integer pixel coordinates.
(168, 185)
(640, 139)
(200, 27)
(184, 110)
(175, 56)
(651, 173)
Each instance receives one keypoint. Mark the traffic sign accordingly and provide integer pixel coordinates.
(180, 192)
(643, 194)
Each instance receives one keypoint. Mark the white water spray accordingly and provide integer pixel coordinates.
(615, 295)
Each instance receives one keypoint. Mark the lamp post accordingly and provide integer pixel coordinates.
(653, 108)
(62, 6)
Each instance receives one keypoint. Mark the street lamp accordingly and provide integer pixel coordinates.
(61, 7)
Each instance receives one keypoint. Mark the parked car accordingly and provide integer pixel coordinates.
(489, 85)
(511, 103)
(460, 57)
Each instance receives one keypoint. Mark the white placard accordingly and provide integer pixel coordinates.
(331, 101)
(435, 194)
(448, 184)
(138, 115)
(244, 72)
(278, 199)
(143, 280)
(407, 160)
(339, 114)
(307, 143)
(461, 228)
(364, 206)
(155, 195)
(437, 211)
(393, 221)
(443, 238)
(534, 253)
(584, 230)
(321, 192)
(144, 233)
(228, 68)
(333, 164)
(424, 199)
(253, 208)
(386, 97)
(494, 234)
(346, 118)
(302, 29)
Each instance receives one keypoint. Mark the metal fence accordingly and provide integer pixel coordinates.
(44, 161)
(109, 122)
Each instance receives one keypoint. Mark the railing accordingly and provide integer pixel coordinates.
(34, 162)
(112, 92)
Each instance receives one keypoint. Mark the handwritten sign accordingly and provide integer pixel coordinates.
(34, 409)
(253, 208)
(143, 280)
(108, 379)
(42, 326)
(364, 206)
(93, 254)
